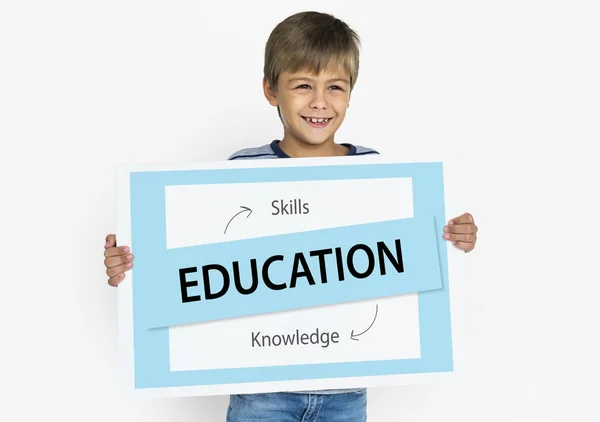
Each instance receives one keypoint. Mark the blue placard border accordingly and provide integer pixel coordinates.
(151, 347)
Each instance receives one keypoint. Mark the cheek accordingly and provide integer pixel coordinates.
(341, 108)
(339, 102)
(292, 105)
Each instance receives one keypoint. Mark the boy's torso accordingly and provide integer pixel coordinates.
(272, 151)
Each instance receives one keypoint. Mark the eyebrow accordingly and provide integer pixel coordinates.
(309, 79)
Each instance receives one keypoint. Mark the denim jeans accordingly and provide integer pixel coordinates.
(296, 407)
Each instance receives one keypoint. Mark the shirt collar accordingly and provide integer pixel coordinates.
(280, 154)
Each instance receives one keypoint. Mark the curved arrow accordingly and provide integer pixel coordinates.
(355, 336)
(244, 209)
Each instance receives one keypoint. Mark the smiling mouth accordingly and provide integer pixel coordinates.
(317, 122)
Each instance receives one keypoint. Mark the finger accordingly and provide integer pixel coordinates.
(453, 237)
(115, 251)
(462, 219)
(114, 281)
(118, 260)
(111, 241)
(460, 228)
(114, 271)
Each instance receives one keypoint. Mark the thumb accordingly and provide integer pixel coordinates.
(111, 241)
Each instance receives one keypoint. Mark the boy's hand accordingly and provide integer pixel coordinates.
(462, 232)
(116, 260)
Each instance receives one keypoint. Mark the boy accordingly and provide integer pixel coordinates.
(311, 67)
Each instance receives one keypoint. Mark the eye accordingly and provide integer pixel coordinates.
(302, 86)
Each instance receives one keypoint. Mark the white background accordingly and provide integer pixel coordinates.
(513, 85)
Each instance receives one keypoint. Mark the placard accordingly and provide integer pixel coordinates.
(286, 274)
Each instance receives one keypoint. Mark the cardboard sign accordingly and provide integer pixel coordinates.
(286, 274)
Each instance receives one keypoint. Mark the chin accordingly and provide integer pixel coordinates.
(315, 142)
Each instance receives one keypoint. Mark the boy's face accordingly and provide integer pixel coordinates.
(312, 106)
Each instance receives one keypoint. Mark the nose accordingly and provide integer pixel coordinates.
(319, 100)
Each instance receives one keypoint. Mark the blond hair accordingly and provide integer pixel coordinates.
(314, 42)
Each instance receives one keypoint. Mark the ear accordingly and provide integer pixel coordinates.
(270, 94)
